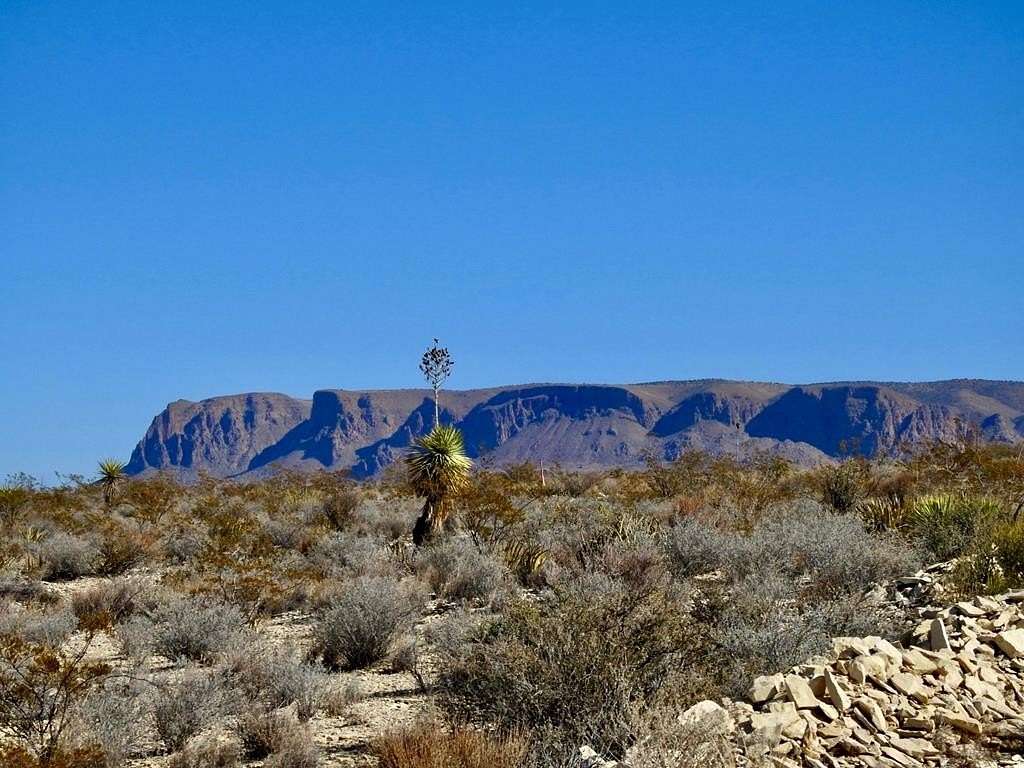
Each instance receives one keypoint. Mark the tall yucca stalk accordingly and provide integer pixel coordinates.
(438, 470)
(112, 474)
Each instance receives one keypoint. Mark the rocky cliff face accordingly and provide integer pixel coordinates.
(575, 426)
(220, 436)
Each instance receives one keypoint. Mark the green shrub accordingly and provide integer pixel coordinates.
(994, 562)
(946, 525)
(840, 487)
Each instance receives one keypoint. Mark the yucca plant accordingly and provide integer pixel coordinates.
(946, 524)
(438, 470)
(112, 474)
(886, 513)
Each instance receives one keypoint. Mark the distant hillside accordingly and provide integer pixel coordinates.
(575, 426)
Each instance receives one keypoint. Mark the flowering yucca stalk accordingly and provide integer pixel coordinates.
(438, 470)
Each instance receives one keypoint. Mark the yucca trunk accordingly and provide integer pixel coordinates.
(431, 520)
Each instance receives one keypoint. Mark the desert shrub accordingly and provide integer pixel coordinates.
(694, 547)
(208, 751)
(366, 616)
(637, 557)
(947, 524)
(284, 533)
(14, 502)
(27, 592)
(274, 678)
(404, 656)
(569, 669)
(765, 627)
(338, 507)
(840, 487)
(278, 737)
(350, 554)
(194, 628)
(110, 717)
(390, 519)
(993, 563)
(341, 694)
(297, 752)
(457, 570)
(183, 708)
(572, 484)
(120, 549)
(64, 556)
(38, 627)
(836, 552)
(17, 756)
(183, 543)
(574, 532)
(1008, 543)
(115, 599)
(526, 560)
(40, 687)
(666, 740)
(886, 513)
(431, 746)
(487, 508)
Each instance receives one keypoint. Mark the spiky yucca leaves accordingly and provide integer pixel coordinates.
(438, 470)
(947, 523)
(112, 474)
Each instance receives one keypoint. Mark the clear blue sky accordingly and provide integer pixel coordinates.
(200, 198)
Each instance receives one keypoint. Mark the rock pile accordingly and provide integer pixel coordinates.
(954, 695)
(871, 703)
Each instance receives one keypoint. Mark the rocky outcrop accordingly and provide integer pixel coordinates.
(845, 419)
(956, 692)
(733, 411)
(220, 436)
(575, 426)
(954, 695)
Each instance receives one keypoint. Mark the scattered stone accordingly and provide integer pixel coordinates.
(800, 693)
(766, 688)
(1011, 642)
(836, 694)
(874, 704)
(937, 636)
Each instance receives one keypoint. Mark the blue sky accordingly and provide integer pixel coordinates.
(204, 198)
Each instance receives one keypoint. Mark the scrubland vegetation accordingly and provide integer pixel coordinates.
(143, 622)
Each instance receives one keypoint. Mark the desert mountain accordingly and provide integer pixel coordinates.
(575, 426)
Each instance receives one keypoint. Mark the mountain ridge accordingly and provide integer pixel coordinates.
(574, 425)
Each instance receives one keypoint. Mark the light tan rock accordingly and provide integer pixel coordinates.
(766, 687)
(970, 609)
(910, 685)
(900, 758)
(979, 687)
(839, 698)
(915, 747)
(1011, 642)
(870, 709)
(915, 661)
(799, 692)
(864, 667)
(962, 723)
